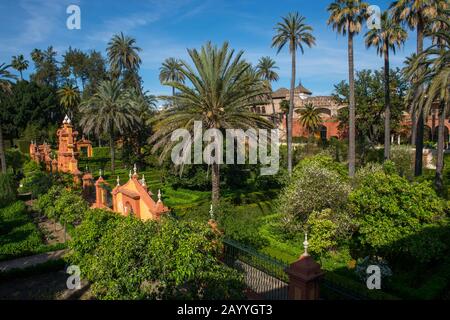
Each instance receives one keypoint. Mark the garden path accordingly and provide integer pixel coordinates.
(25, 262)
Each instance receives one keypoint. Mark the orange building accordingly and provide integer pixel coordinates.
(329, 108)
(130, 199)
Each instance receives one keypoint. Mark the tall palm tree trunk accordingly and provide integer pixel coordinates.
(215, 183)
(352, 131)
(2, 151)
(387, 110)
(113, 151)
(439, 179)
(420, 119)
(291, 111)
(21, 76)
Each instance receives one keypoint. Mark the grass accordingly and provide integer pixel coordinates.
(19, 235)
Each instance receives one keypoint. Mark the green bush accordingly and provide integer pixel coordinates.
(7, 190)
(393, 215)
(154, 260)
(403, 158)
(327, 230)
(316, 184)
(35, 180)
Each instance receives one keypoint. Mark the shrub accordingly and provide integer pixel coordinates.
(403, 158)
(327, 230)
(35, 181)
(7, 190)
(156, 260)
(391, 213)
(315, 185)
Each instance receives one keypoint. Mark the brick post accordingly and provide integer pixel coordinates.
(304, 277)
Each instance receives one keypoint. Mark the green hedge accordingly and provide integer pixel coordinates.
(7, 190)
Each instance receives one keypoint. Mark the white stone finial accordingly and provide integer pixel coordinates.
(159, 194)
(118, 181)
(135, 168)
(143, 180)
(66, 118)
(100, 172)
(211, 212)
(129, 175)
(305, 245)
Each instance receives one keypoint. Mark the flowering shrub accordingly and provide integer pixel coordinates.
(313, 187)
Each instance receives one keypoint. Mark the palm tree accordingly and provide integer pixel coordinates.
(170, 72)
(266, 70)
(5, 88)
(20, 64)
(69, 98)
(346, 17)
(293, 31)
(389, 37)
(416, 14)
(431, 69)
(109, 111)
(220, 94)
(310, 118)
(123, 56)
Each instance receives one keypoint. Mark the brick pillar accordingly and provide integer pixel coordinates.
(304, 277)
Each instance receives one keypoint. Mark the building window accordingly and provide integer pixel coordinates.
(263, 110)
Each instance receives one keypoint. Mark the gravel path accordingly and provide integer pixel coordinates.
(25, 262)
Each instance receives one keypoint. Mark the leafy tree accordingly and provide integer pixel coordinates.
(110, 112)
(346, 17)
(46, 67)
(390, 36)
(170, 72)
(35, 180)
(316, 184)
(296, 33)
(20, 64)
(391, 213)
(266, 70)
(222, 92)
(158, 260)
(370, 105)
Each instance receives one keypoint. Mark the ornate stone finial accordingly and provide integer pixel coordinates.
(87, 169)
(305, 245)
(129, 175)
(100, 173)
(69, 121)
(143, 180)
(159, 194)
(211, 212)
(118, 181)
(66, 118)
(135, 168)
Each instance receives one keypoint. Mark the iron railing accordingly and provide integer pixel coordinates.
(264, 275)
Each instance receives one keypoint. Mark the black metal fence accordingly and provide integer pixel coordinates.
(264, 275)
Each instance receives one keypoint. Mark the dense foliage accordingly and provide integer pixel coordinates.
(7, 189)
(395, 218)
(35, 179)
(126, 258)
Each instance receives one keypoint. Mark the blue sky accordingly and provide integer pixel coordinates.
(165, 28)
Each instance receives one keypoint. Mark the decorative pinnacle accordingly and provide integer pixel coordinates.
(159, 194)
(118, 181)
(129, 175)
(211, 212)
(100, 172)
(143, 180)
(305, 245)
(135, 168)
